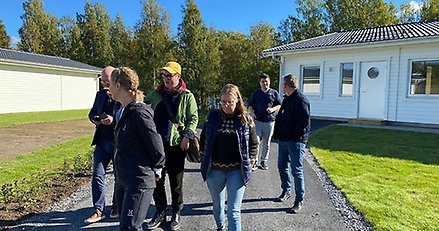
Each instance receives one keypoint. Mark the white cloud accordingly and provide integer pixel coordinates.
(416, 6)
(14, 41)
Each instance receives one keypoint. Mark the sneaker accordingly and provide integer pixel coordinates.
(175, 221)
(263, 165)
(95, 217)
(297, 207)
(255, 166)
(285, 195)
(158, 219)
(114, 213)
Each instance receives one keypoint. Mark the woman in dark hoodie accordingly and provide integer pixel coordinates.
(139, 155)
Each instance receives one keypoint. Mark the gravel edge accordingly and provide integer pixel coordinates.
(351, 217)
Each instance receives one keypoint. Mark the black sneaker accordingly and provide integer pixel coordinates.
(158, 219)
(175, 221)
(263, 165)
(297, 207)
(285, 195)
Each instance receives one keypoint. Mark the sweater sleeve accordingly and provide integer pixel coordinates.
(253, 141)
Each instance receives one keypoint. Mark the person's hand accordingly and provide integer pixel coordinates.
(270, 110)
(96, 122)
(184, 145)
(107, 121)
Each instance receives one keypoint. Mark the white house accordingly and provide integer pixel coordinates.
(386, 73)
(31, 82)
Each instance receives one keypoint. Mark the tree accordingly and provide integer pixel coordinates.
(39, 33)
(121, 42)
(262, 36)
(153, 46)
(94, 27)
(408, 14)
(308, 23)
(198, 62)
(354, 14)
(5, 40)
(430, 10)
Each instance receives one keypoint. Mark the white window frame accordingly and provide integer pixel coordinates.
(409, 82)
(302, 85)
(340, 90)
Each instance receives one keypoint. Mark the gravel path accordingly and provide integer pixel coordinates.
(325, 208)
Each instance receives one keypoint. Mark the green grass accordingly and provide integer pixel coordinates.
(390, 176)
(7, 120)
(50, 160)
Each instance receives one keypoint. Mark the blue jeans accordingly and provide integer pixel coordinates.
(290, 151)
(217, 181)
(264, 131)
(103, 153)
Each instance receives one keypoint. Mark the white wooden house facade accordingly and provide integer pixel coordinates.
(31, 82)
(388, 73)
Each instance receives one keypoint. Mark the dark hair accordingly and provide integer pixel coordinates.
(264, 76)
(291, 81)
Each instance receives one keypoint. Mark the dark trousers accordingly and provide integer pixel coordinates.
(174, 167)
(134, 203)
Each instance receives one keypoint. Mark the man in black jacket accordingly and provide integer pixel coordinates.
(101, 115)
(292, 128)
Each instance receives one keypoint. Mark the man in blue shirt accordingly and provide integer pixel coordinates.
(263, 106)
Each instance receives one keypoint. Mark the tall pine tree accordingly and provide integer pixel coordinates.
(153, 44)
(94, 27)
(5, 40)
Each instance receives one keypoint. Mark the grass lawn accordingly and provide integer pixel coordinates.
(390, 176)
(50, 160)
(7, 120)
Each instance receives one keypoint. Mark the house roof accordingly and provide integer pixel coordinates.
(30, 58)
(398, 32)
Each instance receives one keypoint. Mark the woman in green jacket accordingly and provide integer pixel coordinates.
(176, 119)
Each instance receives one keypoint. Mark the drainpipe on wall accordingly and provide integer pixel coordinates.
(280, 60)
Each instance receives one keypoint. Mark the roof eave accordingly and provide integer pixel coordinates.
(48, 66)
(410, 41)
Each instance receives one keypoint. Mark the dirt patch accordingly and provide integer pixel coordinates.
(30, 137)
(20, 139)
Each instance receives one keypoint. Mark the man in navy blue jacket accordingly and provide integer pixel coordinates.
(101, 114)
(292, 129)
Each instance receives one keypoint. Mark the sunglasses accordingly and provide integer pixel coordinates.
(168, 76)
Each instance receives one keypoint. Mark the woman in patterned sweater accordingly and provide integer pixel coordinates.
(229, 144)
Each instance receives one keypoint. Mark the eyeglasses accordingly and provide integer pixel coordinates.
(223, 102)
(168, 76)
(105, 82)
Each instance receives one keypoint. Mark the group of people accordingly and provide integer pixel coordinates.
(147, 138)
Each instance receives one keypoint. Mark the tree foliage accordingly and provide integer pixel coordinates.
(5, 40)
(199, 66)
(121, 42)
(429, 10)
(39, 33)
(153, 46)
(94, 27)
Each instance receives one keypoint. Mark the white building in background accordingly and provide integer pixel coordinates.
(31, 82)
(387, 73)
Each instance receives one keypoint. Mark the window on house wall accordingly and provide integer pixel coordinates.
(424, 78)
(346, 81)
(311, 79)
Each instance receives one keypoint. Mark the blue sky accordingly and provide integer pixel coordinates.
(230, 15)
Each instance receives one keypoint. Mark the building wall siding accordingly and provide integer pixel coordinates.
(25, 89)
(399, 106)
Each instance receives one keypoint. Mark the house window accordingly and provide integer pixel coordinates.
(424, 78)
(311, 79)
(347, 76)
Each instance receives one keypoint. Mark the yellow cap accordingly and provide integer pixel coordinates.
(172, 67)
